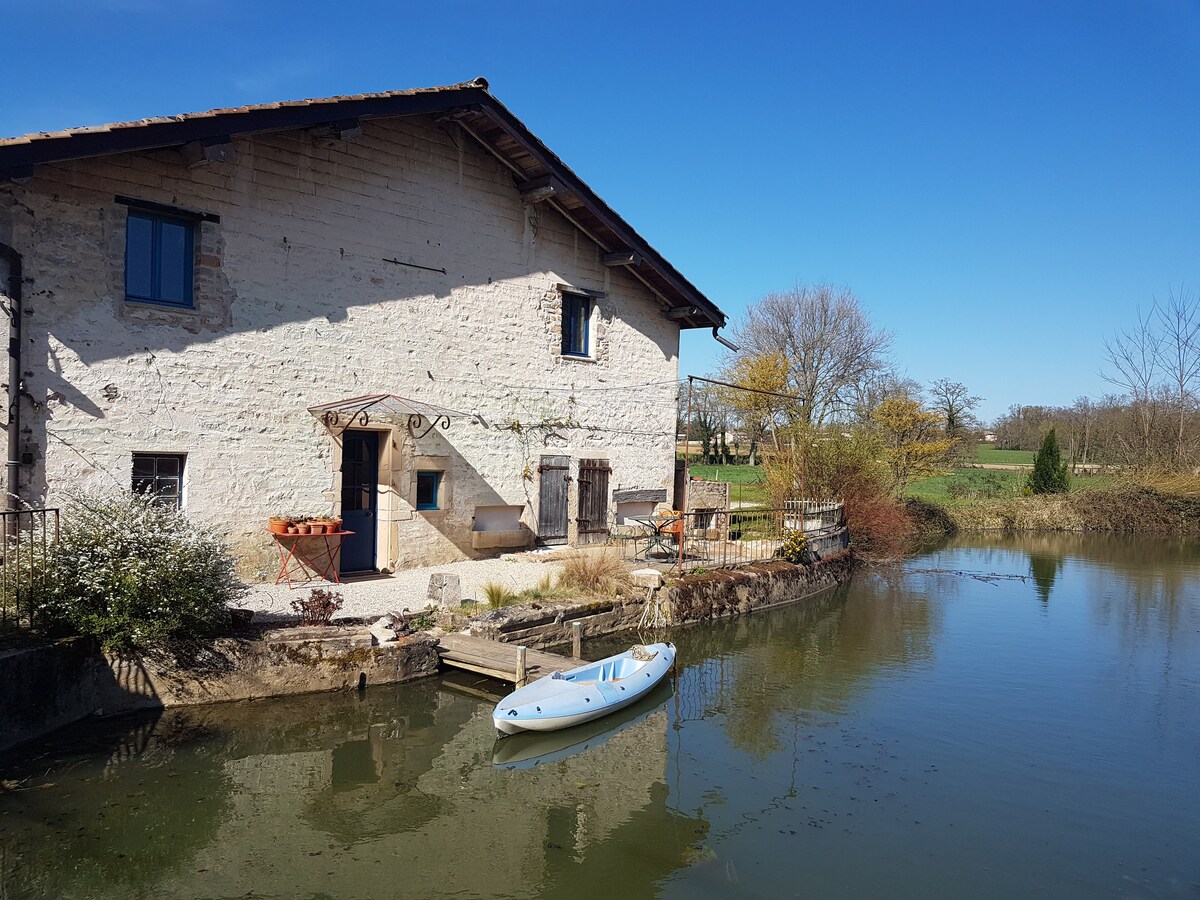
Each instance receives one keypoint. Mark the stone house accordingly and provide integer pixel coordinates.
(401, 308)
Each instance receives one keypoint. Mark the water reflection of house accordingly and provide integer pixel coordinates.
(401, 307)
(413, 807)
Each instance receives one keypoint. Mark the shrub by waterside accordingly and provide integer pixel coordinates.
(136, 575)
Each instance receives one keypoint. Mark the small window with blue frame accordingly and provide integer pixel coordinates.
(429, 490)
(160, 475)
(576, 321)
(159, 258)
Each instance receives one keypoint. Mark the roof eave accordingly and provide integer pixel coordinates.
(528, 157)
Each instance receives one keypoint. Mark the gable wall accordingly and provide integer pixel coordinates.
(295, 306)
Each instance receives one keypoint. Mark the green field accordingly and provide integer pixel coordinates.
(963, 487)
(959, 488)
(986, 453)
(746, 482)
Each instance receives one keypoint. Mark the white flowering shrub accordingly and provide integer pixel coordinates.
(137, 575)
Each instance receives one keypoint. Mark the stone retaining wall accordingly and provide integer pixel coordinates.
(733, 592)
(693, 598)
(53, 685)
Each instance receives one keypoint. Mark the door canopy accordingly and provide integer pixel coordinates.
(359, 412)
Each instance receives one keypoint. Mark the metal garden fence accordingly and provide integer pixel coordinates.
(26, 539)
(719, 538)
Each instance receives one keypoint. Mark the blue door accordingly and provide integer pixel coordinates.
(360, 492)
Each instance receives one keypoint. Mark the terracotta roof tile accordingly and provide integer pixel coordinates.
(233, 110)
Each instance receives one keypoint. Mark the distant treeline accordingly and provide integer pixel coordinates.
(1156, 434)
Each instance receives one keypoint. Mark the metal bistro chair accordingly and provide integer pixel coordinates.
(668, 531)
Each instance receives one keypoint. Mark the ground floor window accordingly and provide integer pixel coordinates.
(429, 488)
(160, 475)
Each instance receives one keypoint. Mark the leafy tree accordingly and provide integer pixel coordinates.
(1049, 475)
(914, 440)
(759, 415)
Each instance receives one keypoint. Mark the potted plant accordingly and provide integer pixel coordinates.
(279, 524)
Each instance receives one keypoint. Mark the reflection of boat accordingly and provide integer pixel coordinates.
(585, 693)
(535, 748)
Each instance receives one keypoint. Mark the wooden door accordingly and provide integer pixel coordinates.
(554, 478)
(593, 501)
(360, 499)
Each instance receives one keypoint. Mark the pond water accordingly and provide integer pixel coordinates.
(916, 733)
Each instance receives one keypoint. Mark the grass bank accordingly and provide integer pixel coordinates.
(970, 487)
(1130, 508)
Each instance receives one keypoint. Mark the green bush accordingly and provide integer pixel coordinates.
(136, 575)
(795, 547)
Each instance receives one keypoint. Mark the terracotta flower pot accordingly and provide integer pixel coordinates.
(303, 529)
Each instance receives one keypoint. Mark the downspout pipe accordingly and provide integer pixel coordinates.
(724, 341)
(12, 482)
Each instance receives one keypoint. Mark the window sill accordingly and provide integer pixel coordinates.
(581, 359)
(160, 307)
(433, 513)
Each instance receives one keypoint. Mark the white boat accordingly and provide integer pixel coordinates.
(588, 692)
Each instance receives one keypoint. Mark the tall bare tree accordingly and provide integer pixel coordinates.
(1134, 358)
(1179, 351)
(956, 404)
(827, 342)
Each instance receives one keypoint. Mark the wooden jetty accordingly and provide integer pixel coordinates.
(506, 662)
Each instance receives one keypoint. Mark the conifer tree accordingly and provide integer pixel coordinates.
(1049, 475)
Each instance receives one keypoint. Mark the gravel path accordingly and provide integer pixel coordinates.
(375, 595)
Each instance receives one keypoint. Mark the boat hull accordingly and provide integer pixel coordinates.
(589, 692)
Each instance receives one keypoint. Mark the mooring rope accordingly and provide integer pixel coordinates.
(653, 615)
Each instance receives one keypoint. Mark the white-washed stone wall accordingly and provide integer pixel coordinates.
(296, 305)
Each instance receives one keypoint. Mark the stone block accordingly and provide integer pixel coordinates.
(383, 629)
(648, 578)
(445, 590)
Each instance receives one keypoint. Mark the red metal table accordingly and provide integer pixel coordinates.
(309, 555)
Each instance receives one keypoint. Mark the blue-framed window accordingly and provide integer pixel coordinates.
(576, 318)
(159, 258)
(429, 490)
(160, 475)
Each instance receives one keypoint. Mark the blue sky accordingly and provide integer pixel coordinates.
(1002, 184)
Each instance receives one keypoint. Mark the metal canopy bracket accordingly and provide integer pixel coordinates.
(360, 412)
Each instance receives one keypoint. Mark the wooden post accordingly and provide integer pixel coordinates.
(577, 640)
(521, 651)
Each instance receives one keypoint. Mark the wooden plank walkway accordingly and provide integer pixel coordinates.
(499, 660)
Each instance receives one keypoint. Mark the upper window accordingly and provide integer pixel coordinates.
(576, 316)
(160, 475)
(159, 261)
(429, 489)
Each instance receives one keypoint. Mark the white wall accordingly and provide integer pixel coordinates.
(296, 306)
